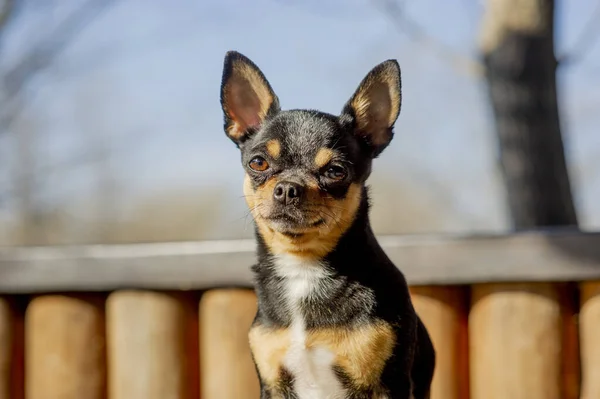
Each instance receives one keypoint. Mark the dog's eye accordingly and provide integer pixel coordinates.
(335, 172)
(259, 164)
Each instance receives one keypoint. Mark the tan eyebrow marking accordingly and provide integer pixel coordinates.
(324, 155)
(274, 148)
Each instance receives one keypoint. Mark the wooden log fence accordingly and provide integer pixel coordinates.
(511, 316)
(64, 348)
(6, 346)
(146, 345)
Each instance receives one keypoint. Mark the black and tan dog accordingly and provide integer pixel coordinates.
(334, 319)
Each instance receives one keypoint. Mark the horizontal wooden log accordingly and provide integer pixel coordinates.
(64, 348)
(535, 256)
(589, 321)
(146, 346)
(5, 349)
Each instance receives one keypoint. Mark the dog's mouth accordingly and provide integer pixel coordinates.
(292, 226)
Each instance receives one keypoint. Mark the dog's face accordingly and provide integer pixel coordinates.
(305, 170)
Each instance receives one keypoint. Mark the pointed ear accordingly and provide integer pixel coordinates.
(246, 97)
(375, 106)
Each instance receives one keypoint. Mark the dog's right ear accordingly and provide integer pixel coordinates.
(247, 98)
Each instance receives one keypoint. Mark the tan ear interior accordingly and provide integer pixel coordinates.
(247, 99)
(377, 104)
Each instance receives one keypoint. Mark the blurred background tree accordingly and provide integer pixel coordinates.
(519, 64)
(110, 132)
(517, 46)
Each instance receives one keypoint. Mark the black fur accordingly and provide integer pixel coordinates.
(366, 286)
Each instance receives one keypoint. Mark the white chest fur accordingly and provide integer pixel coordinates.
(311, 367)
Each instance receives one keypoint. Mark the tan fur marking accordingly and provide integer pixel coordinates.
(244, 75)
(324, 155)
(269, 347)
(274, 148)
(313, 186)
(362, 352)
(315, 242)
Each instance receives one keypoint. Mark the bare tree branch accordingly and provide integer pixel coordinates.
(586, 40)
(45, 52)
(393, 9)
(43, 55)
(6, 7)
(13, 82)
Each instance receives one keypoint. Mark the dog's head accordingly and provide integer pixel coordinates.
(305, 170)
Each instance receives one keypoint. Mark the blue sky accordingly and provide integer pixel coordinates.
(143, 78)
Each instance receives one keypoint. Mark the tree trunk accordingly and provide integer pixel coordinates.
(518, 53)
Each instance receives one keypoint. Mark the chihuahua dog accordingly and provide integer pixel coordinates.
(335, 319)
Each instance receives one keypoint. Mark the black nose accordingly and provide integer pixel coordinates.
(286, 192)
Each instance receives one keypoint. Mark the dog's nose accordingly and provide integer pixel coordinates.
(287, 192)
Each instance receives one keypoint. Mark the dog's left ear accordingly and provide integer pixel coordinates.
(247, 98)
(375, 106)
